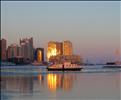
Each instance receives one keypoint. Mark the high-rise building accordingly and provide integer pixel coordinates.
(39, 55)
(54, 48)
(14, 54)
(51, 49)
(59, 47)
(27, 49)
(67, 48)
(3, 49)
(13, 51)
(62, 51)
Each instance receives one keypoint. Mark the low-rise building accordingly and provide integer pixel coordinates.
(69, 58)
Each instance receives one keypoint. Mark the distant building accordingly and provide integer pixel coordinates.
(51, 49)
(67, 48)
(3, 49)
(13, 51)
(54, 48)
(59, 48)
(14, 54)
(59, 52)
(39, 54)
(69, 58)
(27, 49)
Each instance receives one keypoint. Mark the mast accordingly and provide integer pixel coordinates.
(117, 54)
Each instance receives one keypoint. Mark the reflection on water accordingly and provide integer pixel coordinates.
(24, 84)
(17, 84)
(52, 82)
(105, 86)
(59, 81)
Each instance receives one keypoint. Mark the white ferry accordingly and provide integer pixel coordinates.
(66, 66)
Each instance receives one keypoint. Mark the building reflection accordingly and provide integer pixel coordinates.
(52, 81)
(60, 81)
(41, 79)
(17, 84)
(29, 84)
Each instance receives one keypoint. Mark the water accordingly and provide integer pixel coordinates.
(35, 83)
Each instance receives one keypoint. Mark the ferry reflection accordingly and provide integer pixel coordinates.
(60, 81)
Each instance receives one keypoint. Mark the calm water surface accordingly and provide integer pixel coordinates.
(34, 83)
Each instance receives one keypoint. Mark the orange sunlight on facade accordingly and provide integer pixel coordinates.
(39, 57)
(59, 48)
(53, 49)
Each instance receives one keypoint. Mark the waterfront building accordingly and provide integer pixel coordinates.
(67, 48)
(3, 49)
(54, 48)
(68, 58)
(27, 49)
(39, 55)
(58, 52)
(14, 53)
(59, 48)
(51, 49)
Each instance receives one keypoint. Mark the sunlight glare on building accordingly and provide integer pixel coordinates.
(51, 50)
(39, 57)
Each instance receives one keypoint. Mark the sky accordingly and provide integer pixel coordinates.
(93, 27)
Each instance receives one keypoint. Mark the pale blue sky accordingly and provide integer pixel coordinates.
(93, 27)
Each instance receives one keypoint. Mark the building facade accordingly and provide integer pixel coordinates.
(14, 54)
(67, 48)
(51, 49)
(3, 49)
(59, 48)
(59, 52)
(54, 48)
(39, 55)
(68, 58)
(13, 51)
(27, 49)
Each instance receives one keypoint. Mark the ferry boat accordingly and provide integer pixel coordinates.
(112, 65)
(115, 64)
(66, 66)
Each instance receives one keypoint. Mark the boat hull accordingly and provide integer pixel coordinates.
(112, 66)
(64, 69)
